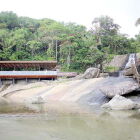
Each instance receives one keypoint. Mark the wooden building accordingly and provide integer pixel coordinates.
(28, 70)
(26, 65)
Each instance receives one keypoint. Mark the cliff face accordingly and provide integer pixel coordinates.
(118, 61)
(138, 59)
(138, 55)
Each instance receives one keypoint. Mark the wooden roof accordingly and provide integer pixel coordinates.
(29, 64)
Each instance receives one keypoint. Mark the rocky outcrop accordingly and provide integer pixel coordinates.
(120, 86)
(118, 61)
(121, 103)
(130, 65)
(91, 73)
(84, 91)
(128, 72)
(3, 101)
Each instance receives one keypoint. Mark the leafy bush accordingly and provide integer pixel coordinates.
(111, 69)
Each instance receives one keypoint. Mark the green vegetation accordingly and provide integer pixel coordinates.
(75, 48)
(110, 69)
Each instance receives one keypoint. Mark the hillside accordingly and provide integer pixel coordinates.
(73, 46)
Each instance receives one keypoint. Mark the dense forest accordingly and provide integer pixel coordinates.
(72, 45)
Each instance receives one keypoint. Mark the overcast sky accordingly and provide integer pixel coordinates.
(124, 12)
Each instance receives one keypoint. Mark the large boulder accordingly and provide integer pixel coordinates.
(121, 103)
(91, 73)
(128, 72)
(119, 86)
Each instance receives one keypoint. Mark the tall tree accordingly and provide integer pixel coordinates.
(103, 28)
(10, 19)
(137, 22)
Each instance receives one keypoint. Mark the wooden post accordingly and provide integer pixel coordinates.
(26, 80)
(56, 49)
(0, 82)
(13, 82)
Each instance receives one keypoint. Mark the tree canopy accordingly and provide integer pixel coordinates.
(72, 45)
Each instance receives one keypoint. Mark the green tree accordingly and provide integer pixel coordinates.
(137, 22)
(103, 29)
(10, 19)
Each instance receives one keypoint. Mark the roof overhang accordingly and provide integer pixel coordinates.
(29, 64)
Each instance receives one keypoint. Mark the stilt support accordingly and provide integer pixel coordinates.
(0, 82)
(13, 82)
(26, 80)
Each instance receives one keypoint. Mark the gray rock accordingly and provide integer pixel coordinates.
(120, 86)
(121, 103)
(37, 100)
(91, 73)
(128, 72)
(104, 74)
(3, 101)
(117, 61)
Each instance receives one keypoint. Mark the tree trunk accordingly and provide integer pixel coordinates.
(56, 50)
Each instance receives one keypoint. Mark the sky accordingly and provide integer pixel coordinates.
(124, 12)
